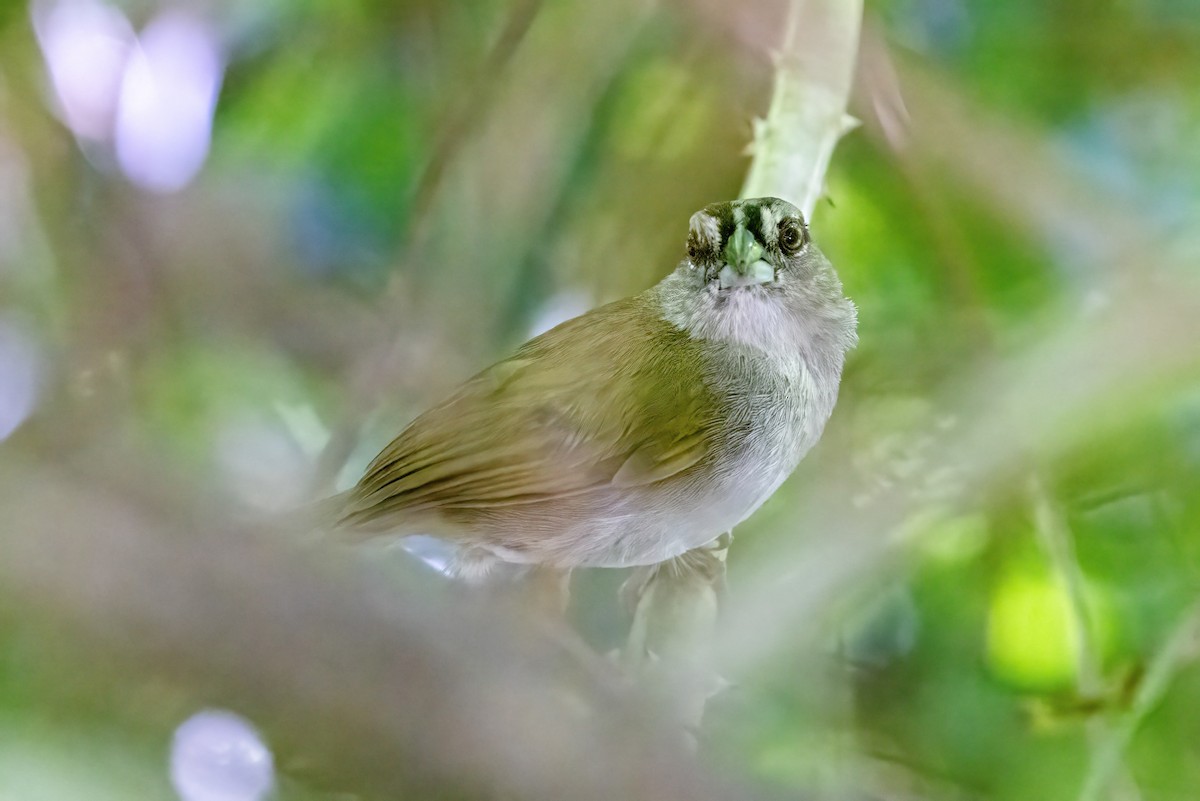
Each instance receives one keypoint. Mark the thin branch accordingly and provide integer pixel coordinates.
(1059, 544)
(1179, 651)
(471, 110)
(380, 687)
(453, 132)
(1060, 548)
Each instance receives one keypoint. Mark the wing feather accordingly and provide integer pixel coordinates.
(613, 399)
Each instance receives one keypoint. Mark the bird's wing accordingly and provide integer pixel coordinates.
(615, 398)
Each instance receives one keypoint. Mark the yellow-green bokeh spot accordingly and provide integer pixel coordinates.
(1032, 639)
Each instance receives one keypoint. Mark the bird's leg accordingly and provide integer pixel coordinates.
(548, 591)
(706, 563)
(674, 603)
(675, 613)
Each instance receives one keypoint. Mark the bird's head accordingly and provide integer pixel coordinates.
(746, 243)
(753, 275)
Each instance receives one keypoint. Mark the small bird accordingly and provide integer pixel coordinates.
(639, 430)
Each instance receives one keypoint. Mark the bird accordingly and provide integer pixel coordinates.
(636, 431)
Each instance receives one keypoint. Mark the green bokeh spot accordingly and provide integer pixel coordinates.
(1031, 638)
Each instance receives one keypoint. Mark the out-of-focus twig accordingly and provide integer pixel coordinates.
(1060, 548)
(1059, 545)
(471, 109)
(1180, 650)
(463, 116)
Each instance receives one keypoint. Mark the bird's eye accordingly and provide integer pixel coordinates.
(791, 236)
(693, 246)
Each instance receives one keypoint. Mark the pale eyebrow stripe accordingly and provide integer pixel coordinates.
(769, 223)
(707, 227)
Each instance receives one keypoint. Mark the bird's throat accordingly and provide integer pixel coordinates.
(760, 272)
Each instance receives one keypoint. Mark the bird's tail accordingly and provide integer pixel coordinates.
(320, 520)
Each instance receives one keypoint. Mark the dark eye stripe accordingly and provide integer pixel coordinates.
(754, 223)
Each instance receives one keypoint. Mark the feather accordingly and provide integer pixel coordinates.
(612, 399)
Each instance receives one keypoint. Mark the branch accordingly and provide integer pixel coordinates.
(1108, 753)
(1060, 548)
(807, 117)
(1059, 545)
(376, 686)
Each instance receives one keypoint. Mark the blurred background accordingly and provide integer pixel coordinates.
(242, 243)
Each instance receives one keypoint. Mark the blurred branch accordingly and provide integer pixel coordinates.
(1025, 181)
(1060, 548)
(1180, 650)
(378, 685)
(548, 116)
(1059, 545)
(677, 605)
(464, 115)
(471, 109)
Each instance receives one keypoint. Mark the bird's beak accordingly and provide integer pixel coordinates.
(744, 265)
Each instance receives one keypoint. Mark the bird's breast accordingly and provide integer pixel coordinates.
(777, 411)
